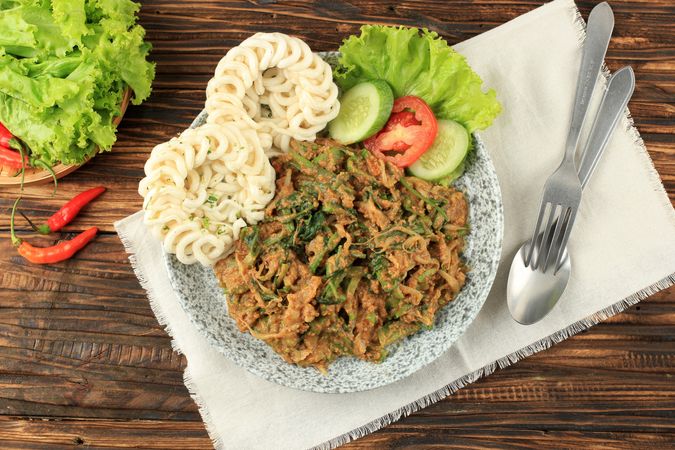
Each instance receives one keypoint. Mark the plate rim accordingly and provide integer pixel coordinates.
(486, 287)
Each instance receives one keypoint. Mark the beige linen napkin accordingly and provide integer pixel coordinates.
(623, 247)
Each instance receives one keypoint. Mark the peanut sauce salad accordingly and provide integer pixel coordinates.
(352, 256)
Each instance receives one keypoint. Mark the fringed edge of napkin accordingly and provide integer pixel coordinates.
(215, 437)
(423, 402)
(555, 338)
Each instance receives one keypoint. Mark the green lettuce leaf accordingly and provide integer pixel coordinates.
(64, 68)
(39, 92)
(71, 18)
(419, 63)
(16, 32)
(49, 38)
(124, 55)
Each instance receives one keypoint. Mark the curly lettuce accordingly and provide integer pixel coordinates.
(419, 63)
(64, 68)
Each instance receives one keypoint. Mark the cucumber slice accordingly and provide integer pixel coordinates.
(446, 153)
(449, 179)
(364, 109)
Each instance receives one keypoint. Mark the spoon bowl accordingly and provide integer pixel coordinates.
(532, 294)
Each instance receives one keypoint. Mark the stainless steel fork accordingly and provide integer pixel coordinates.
(562, 191)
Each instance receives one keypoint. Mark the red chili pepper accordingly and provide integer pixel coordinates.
(67, 213)
(7, 139)
(47, 255)
(59, 252)
(11, 158)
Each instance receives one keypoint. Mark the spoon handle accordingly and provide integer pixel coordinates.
(598, 34)
(619, 90)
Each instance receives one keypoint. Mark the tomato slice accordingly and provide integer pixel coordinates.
(409, 132)
(396, 120)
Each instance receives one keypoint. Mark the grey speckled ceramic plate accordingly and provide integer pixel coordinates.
(204, 302)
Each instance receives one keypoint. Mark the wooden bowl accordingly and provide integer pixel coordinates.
(8, 175)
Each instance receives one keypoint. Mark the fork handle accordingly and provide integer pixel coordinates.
(598, 33)
(619, 90)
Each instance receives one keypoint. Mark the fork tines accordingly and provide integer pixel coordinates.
(551, 239)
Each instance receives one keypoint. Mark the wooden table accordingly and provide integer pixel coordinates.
(83, 360)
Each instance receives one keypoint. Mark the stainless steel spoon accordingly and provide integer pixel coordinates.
(532, 294)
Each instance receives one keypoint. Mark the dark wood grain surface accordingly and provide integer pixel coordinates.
(83, 361)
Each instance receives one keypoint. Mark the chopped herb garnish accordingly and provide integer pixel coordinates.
(211, 200)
